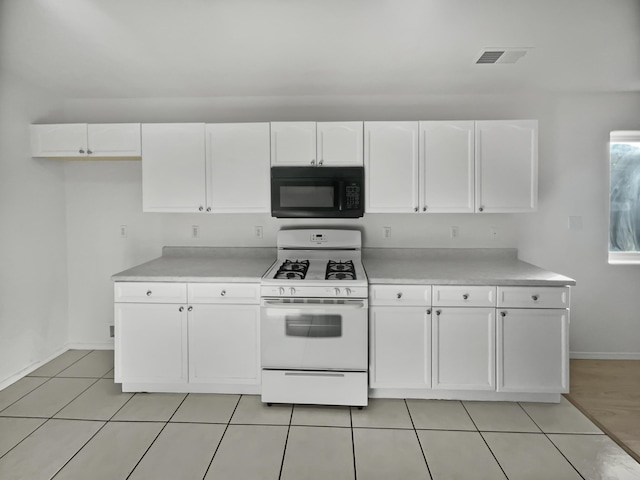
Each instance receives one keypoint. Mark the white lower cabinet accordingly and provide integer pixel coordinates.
(223, 344)
(183, 346)
(464, 348)
(400, 343)
(533, 350)
(150, 343)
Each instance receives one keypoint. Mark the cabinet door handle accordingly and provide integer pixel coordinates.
(181, 309)
(481, 209)
(428, 311)
(223, 293)
(81, 150)
(424, 209)
(148, 293)
(190, 308)
(415, 209)
(313, 162)
(208, 209)
(465, 296)
(89, 151)
(534, 298)
(399, 294)
(503, 314)
(201, 208)
(321, 162)
(438, 312)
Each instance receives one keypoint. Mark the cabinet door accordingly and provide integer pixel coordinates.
(340, 143)
(391, 167)
(238, 169)
(173, 167)
(223, 344)
(464, 349)
(63, 140)
(447, 161)
(400, 347)
(293, 143)
(114, 140)
(533, 350)
(506, 166)
(150, 343)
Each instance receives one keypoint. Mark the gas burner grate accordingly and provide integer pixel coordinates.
(292, 270)
(340, 270)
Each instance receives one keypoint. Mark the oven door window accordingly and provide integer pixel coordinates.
(313, 326)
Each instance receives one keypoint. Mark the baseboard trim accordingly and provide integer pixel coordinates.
(90, 346)
(27, 370)
(605, 356)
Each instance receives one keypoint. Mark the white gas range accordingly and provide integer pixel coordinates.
(314, 320)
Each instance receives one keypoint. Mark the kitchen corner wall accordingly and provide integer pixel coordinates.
(101, 196)
(33, 253)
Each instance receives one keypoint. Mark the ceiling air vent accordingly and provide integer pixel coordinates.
(501, 55)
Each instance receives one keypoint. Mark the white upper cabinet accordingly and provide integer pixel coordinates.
(308, 144)
(173, 167)
(447, 167)
(506, 166)
(391, 167)
(339, 143)
(81, 140)
(238, 167)
(293, 144)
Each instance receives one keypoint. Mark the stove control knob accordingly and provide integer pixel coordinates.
(347, 291)
(281, 290)
(336, 291)
(292, 291)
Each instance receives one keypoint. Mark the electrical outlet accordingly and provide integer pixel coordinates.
(195, 231)
(455, 232)
(112, 331)
(257, 231)
(493, 233)
(386, 232)
(124, 231)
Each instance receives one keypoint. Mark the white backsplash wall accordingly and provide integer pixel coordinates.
(33, 253)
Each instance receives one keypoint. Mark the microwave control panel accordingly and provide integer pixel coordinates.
(352, 197)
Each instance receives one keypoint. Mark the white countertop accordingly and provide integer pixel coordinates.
(437, 266)
(202, 264)
(455, 266)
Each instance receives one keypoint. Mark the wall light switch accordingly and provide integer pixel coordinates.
(455, 231)
(123, 231)
(386, 232)
(257, 230)
(195, 231)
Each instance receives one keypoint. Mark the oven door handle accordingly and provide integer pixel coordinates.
(272, 306)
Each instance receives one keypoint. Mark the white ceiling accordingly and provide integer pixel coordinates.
(208, 48)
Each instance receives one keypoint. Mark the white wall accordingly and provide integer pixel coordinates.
(33, 254)
(605, 316)
(573, 160)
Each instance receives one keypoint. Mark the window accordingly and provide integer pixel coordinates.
(624, 197)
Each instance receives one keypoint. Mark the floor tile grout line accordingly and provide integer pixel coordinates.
(72, 364)
(485, 441)
(221, 437)
(286, 441)
(353, 444)
(424, 454)
(34, 431)
(30, 391)
(104, 424)
(54, 375)
(564, 456)
(76, 397)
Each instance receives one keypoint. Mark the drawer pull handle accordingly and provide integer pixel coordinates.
(428, 311)
(223, 293)
(465, 296)
(148, 293)
(438, 312)
(181, 309)
(534, 298)
(399, 294)
(503, 314)
(190, 308)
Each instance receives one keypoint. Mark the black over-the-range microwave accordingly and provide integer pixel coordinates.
(317, 192)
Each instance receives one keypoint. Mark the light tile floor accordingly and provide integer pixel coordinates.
(68, 420)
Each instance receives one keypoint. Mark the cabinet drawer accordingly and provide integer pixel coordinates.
(150, 292)
(417, 295)
(224, 293)
(534, 297)
(463, 296)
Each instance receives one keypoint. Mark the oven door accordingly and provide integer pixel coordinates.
(314, 334)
